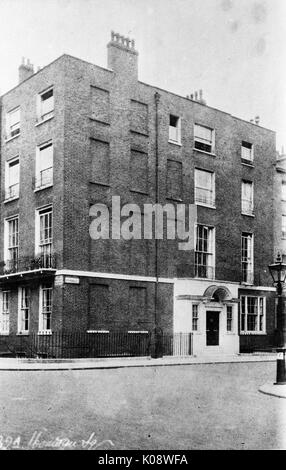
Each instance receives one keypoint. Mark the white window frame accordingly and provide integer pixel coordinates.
(198, 198)
(8, 249)
(23, 310)
(44, 177)
(42, 114)
(247, 205)
(207, 270)
(283, 190)
(13, 128)
(200, 140)
(175, 135)
(260, 317)
(246, 156)
(11, 191)
(4, 312)
(44, 246)
(195, 318)
(248, 260)
(283, 226)
(45, 311)
(229, 319)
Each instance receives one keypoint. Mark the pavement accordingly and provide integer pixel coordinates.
(119, 362)
(23, 364)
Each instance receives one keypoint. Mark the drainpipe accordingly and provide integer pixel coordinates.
(157, 352)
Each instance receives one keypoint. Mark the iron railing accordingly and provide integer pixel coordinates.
(12, 191)
(250, 343)
(26, 263)
(44, 178)
(95, 344)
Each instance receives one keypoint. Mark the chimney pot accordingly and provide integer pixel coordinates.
(26, 70)
(257, 119)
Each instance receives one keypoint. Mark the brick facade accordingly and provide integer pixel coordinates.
(103, 132)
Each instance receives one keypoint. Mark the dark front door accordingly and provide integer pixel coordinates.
(212, 328)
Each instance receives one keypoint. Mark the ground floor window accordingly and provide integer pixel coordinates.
(195, 317)
(229, 318)
(46, 296)
(5, 312)
(252, 314)
(24, 309)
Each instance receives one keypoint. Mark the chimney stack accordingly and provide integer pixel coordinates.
(122, 57)
(26, 70)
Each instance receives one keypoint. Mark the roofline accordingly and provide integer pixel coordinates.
(51, 63)
(143, 83)
(206, 106)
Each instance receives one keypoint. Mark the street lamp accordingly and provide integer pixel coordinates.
(278, 274)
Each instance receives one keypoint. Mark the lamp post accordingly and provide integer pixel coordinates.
(278, 273)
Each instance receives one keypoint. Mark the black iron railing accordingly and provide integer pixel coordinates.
(26, 263)
(96, 344)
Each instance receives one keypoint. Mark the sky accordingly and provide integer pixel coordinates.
(235, 50)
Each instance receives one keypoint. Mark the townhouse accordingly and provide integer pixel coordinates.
(74, 135)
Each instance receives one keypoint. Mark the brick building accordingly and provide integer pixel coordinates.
(280, 205)
(73, 135)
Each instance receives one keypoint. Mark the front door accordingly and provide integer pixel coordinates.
(212, 329)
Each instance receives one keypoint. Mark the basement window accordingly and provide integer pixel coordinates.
(174, 129)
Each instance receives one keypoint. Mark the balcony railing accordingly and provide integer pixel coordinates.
(12, 191)
(203, 271)
(204, 197)
(220, 272)
(41, 261)
(44, 178)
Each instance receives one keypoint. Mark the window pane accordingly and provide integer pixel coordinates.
(203, 133)
(45, 157)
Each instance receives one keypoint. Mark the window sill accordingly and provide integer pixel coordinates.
(98, 331)
(206, 153)
(204, 278)
(99, 121)
(12, 138)
(43, 187)
(4, 333)
(106, 185)
(174, 142)
(204, 205)
(252, 333)
(11, 199)
(137, 191)
(247, 164)
(44, 332)
(43, 120)
(173, 198)
(145, 134)
(246, 284)
(248, 215)
(22, 333)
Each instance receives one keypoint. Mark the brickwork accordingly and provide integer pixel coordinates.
(104, 141)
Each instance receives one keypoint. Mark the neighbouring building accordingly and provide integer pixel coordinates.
(279, 192)
(73, 135)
